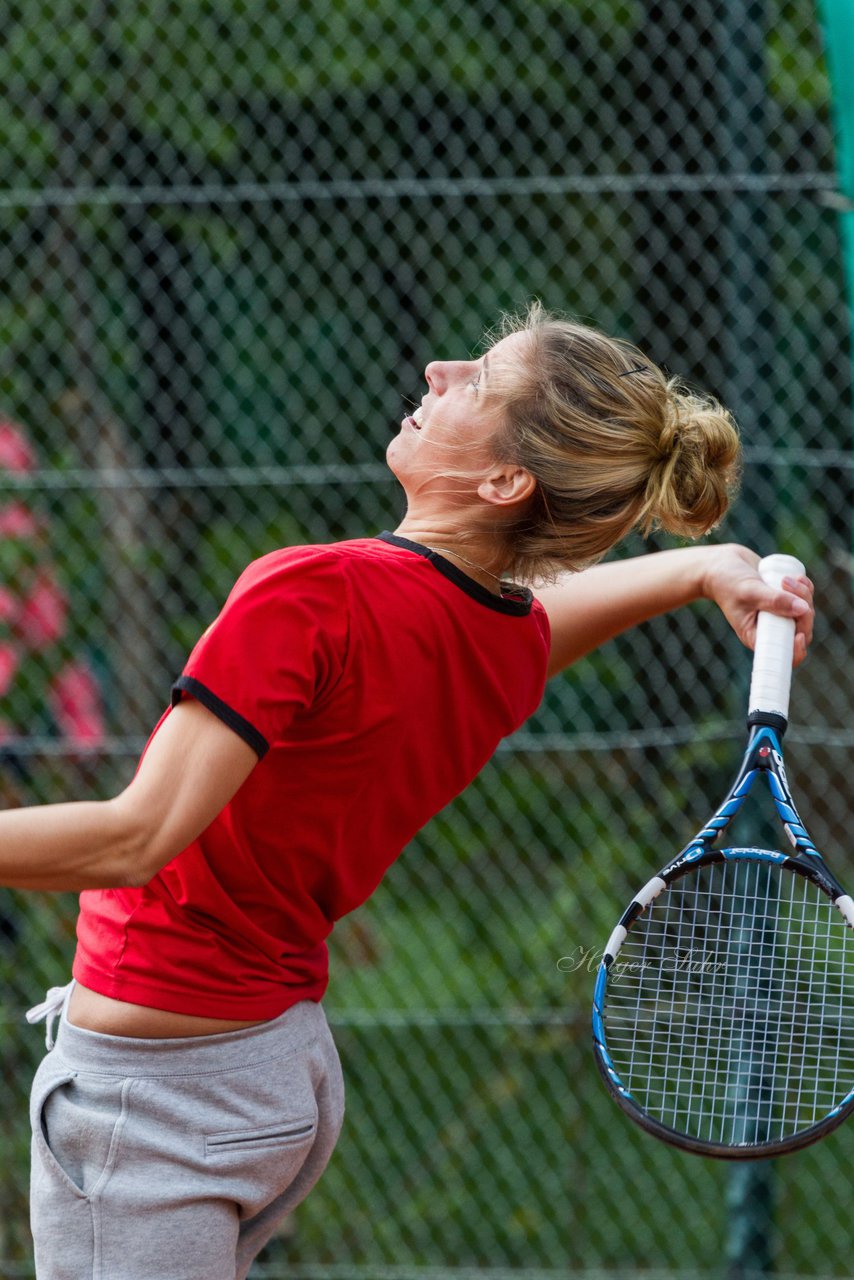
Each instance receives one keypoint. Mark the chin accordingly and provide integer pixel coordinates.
(391, 461)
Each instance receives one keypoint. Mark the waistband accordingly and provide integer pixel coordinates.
(292, 1031)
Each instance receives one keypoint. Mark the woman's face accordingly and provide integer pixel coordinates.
(445, 446)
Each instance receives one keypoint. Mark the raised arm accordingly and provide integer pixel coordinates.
(586, 609)
(192, 768)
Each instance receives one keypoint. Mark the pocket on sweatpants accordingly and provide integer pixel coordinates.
(76, 1122)
(271, 1137)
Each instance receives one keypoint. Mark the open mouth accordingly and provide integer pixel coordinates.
(414, 419)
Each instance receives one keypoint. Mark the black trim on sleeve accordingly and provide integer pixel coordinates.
(233, 719)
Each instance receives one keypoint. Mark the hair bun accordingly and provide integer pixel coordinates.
(613, 443)
(688, 492)
(669, 439)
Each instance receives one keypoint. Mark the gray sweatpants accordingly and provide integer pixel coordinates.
(176, 1159)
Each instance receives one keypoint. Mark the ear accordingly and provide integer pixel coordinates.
(506, 485)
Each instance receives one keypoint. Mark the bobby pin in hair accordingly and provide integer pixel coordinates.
(641, 368)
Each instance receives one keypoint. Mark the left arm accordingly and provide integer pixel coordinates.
(193, 766)
(586, 609)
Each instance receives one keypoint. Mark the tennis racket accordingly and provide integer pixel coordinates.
(723, 1014)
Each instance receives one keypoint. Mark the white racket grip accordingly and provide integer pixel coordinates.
(771, 680)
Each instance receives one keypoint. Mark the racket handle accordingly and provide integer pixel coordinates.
(771, 680)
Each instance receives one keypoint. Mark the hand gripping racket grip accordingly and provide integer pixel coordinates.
(771, 680)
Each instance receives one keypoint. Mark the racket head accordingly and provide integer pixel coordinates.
(723, 1019)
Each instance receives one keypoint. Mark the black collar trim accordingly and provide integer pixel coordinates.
(514, 600)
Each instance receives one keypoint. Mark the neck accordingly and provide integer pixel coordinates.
(476, 557)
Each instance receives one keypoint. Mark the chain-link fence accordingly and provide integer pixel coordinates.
(232, 234)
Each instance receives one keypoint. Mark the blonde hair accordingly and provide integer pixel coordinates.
(612, 442)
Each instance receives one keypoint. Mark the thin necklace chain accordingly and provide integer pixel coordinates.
(449, 552)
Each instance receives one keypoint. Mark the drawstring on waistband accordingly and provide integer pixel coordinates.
(51, 1008)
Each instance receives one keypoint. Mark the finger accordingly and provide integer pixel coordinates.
(747, 635)
(788, 604)
(800, 586)
(804, 628)
(800, 650)
(804, 590)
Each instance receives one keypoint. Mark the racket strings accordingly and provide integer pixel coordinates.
(729, 1010)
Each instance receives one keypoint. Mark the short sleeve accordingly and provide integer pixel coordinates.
(277, 646)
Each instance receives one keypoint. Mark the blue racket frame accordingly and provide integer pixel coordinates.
(763, 757)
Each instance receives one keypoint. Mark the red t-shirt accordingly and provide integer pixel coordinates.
(374, 680)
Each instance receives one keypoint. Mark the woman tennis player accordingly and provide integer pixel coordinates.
(342, 697)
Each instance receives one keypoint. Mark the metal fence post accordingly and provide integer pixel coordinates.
(749, 349)
(838, 25)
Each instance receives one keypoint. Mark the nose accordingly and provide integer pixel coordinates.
(441, 373)
(436, 376)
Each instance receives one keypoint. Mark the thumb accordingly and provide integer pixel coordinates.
(783, 603)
